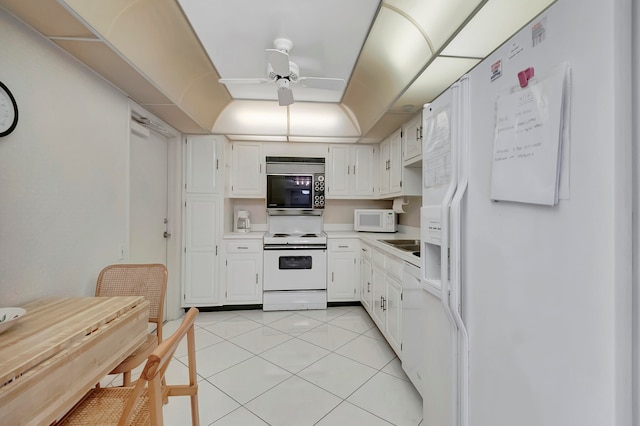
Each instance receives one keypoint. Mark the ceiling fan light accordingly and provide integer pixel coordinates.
(283, 84)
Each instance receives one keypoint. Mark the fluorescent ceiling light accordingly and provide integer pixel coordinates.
(321, 139)
(438, 76)
(317, 119)
(398, 43)
(266, 120)
(495, 23)
(438, 19)
(252, 118)
(260, 138)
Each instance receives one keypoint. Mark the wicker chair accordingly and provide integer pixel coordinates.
(148, 280)
(142, 404)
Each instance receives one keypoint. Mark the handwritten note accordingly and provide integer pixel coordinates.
(528, 142)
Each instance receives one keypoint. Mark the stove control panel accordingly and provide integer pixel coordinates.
(318, 191)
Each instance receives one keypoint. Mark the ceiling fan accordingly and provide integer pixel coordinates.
(285, 74)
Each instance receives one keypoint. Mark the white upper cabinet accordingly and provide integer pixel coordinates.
(203, 164)
(412, 141)
(350, 171)
(396, 179)
(337, 170)
(247, 171)
(364, 170)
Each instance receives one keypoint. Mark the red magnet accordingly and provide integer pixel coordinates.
(525, 76)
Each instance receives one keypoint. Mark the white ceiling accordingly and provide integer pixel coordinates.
(327, 38)
(168, 56)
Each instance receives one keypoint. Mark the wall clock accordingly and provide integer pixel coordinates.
(8, 111)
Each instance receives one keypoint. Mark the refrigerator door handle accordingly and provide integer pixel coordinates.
(456, 251)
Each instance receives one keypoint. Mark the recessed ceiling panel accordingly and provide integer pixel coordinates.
(492, 25)
(252, 118)
(327, 37)
(438, 19)
(439, 75)
(320, 119)
(394, 53)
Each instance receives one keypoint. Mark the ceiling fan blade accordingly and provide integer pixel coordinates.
(279, 61)
(285, 96)
(243, 80)
(322, 83)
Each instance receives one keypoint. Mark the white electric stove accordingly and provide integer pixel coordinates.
(295, 263)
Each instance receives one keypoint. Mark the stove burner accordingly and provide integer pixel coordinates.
(309, 235)
(280, 235)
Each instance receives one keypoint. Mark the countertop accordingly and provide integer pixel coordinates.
(371, 238)
(243, 235)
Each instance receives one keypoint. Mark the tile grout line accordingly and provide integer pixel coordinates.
(322, 322)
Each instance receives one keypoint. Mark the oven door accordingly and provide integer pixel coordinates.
(297, 269)
(290, 191)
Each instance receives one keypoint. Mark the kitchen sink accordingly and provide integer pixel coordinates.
(412, 246)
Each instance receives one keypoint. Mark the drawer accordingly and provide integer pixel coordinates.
(344, 245)
(393, 267)
(244, 246)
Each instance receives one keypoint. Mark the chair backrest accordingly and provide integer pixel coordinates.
(156, 367)
(148, 280)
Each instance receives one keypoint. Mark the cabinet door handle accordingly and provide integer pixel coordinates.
(256, 278)
(343, 246)
(354, 169)
(243, 248)
(348, 170)
(384, 304)
(368, 287)
(332, 277)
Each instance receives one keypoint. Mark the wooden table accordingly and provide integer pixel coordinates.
(60, 349)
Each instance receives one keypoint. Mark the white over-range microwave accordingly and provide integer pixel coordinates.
(374, 220)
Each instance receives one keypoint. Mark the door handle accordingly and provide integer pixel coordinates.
(166, 234)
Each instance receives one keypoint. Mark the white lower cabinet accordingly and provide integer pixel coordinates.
(386, 299)
(343, 270)
(243, 272)
(202, 222)
(366, 294)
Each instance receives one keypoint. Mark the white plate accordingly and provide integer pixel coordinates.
(10, 316)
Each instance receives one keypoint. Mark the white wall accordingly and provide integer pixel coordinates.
(63, 171)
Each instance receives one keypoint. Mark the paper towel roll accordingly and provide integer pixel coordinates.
(398, 204)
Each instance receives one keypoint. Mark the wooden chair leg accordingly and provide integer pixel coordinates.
(165, 395)
(195, 415)
(126, 378)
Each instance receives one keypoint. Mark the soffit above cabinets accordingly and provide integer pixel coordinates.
(168, 55)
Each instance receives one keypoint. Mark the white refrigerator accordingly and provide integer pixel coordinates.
(526, 229)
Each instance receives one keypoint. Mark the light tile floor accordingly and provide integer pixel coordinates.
(323, 367)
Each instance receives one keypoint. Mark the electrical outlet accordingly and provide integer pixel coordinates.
(122, 252)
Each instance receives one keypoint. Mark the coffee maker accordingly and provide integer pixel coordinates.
(242, 223)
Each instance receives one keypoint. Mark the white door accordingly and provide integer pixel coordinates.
(148, 198)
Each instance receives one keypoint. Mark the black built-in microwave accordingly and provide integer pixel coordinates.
(295, 183)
